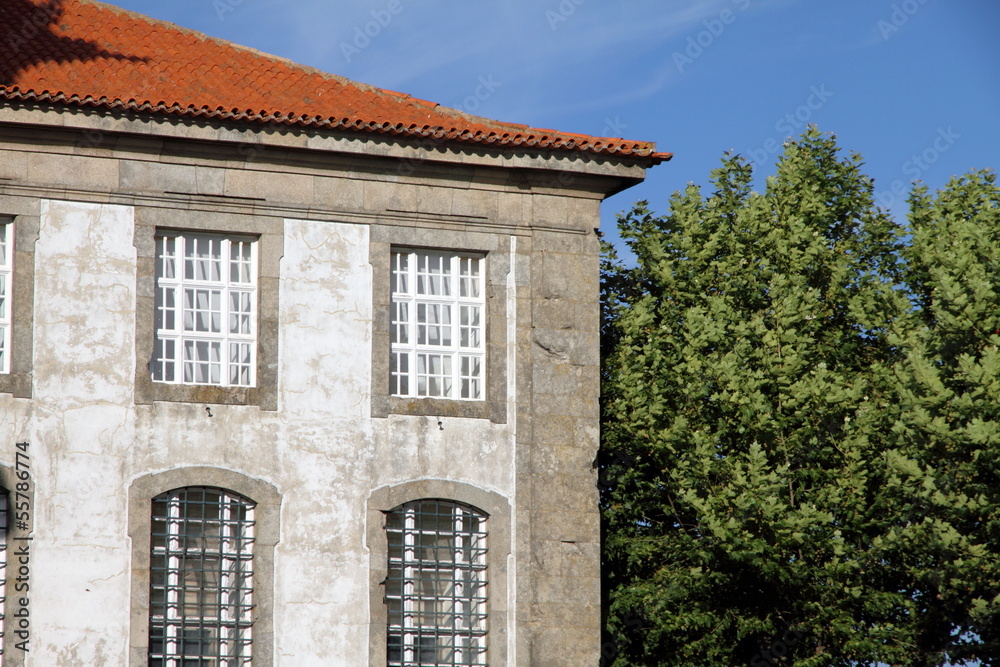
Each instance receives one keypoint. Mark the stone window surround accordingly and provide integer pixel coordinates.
(385, 499)
(496, 248)
(12, 656)
(269, 231)
(25, 214)
(267, 514)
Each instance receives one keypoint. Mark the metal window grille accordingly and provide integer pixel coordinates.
(436, 589)
(6, 273)
(206, 310)
(3, 568)
(201, 579)
(437, 329)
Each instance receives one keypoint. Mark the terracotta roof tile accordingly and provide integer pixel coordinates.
(87, 53)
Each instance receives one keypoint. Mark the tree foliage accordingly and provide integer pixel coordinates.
(800, 461)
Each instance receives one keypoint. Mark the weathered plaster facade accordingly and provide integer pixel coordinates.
(318, 443)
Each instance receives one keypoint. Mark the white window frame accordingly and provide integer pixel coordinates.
(202, 336)
(449, 621)
(6, 290)
(233, 624)
(437, 324)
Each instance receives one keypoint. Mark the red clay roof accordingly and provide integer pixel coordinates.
(86, 53)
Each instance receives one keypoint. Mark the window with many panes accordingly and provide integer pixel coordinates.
(205, 309)
(201, 579)
(437, 328)
(6, 271)
(436, 589)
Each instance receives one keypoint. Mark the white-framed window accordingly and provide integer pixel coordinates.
(206, 309)
(201, 579)
(437, 328)
(6, 274)
(436, 589)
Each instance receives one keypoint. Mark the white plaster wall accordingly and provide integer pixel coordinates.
(82, 423)
(321, 449)
(326, 314)
(324, 398)
(334, 454)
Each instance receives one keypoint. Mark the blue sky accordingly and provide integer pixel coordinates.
(913, 85)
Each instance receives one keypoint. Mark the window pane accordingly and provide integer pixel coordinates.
(203, 258)
(166, 256)
(240, 263)
(471, 377)
(469, 329)
(202, 361)
(400, 273)
(399, 373)
(469, 272)
(240, 310)
(399, 331)
(239, 364)
(216, 310)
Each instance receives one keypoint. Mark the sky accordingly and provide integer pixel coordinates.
(912, 85)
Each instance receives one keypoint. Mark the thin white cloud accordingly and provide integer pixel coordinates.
(426, 37)
(552, 58)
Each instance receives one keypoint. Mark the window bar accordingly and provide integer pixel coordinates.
(435, 585)
(201, 569)
(409, 592)
(6, 291)
(3, 569)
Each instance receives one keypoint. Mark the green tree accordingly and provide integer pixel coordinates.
(799, 458)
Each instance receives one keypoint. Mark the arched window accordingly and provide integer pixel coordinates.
(436, 588)
(201, 578)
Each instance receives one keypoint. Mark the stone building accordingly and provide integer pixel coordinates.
(293, 370)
